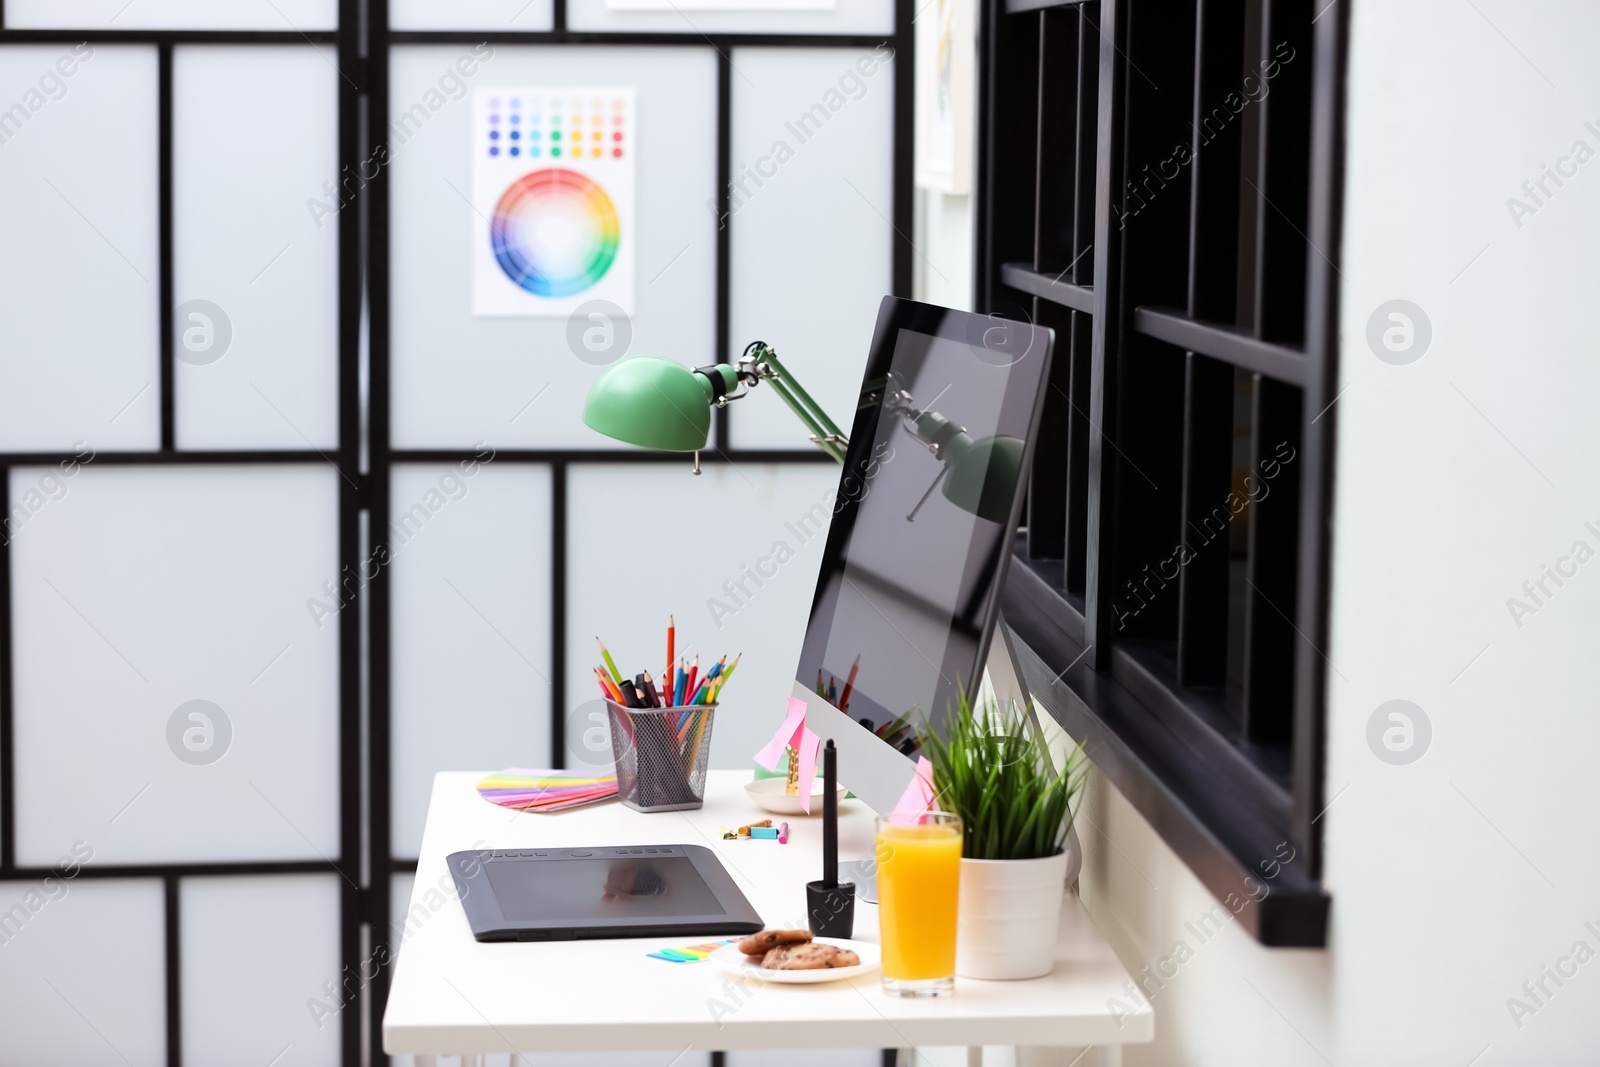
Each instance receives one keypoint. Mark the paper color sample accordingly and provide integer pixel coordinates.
(554, 199)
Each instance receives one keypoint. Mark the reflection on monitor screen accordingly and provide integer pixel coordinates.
(904, 602)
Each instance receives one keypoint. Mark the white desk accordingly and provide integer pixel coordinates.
(452, 995)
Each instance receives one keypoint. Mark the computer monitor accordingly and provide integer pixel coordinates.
(927, 506)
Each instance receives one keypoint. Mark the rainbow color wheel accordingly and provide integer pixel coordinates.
(554, 232)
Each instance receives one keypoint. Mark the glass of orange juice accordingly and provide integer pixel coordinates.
(919, 874)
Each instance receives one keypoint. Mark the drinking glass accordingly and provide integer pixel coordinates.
(919, 875)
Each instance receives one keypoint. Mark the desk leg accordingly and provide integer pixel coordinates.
(1108, 1056)
(472, 1061)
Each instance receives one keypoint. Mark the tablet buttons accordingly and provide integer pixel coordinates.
(579, 853)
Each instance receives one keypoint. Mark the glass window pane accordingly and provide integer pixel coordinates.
(470, 583)
(516, 382)
(79, 249)
(280, 15)
(730, 585)
(287, 998)
(256, 246)
(733, 16)
(83, 977)
(176, 658)
(813, 138)
(513, 15)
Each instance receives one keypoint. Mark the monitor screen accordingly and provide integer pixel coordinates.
(923, 518)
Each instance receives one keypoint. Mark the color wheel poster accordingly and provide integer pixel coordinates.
(553, 185)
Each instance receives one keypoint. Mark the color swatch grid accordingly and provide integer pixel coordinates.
(554, 127)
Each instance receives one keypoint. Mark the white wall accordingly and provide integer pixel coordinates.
(1456, 878)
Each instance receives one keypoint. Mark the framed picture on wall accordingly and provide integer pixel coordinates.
(553, 224)
(945, 57)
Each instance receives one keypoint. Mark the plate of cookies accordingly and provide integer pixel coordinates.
(794, 957)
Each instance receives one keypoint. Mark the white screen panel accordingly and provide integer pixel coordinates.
(136, 590)
(457, 379)
(833, 1057)
(82, 977)
(657, 568)
(271, 15)
(811, 245)
(514, 15)
(256, 245)
(277, 1008)
(470, 605)
(700, 16)
(79, 248)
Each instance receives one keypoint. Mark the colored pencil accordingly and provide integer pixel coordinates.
(677, 689)
(694, 669)
(610, 687)
(672, 640)
(611, 664)
(650, 690)
(849, 684)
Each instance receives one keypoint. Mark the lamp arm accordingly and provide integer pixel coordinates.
(761, 363)
(831, 443)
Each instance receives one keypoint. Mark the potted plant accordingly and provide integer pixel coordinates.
(993, 768)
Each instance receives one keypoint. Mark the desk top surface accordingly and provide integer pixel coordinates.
(452, 994)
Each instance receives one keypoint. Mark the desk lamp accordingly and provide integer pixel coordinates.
(659, 404)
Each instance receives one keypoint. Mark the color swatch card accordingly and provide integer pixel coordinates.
(554, 190)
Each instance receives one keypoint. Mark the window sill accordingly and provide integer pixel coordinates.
(1221, 804)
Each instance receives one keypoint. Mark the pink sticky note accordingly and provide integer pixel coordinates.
(807, 746)
(794, 734)
(918, 796)
(793, 723)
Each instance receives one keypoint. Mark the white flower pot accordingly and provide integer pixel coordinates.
(1007, 916)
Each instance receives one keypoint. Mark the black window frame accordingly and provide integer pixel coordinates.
(1169, 292)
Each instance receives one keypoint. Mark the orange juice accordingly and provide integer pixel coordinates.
(919, 874)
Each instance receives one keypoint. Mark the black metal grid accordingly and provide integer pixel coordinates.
(365, 863)
(1173, 280)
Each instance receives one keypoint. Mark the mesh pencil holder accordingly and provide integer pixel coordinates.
(661, 755)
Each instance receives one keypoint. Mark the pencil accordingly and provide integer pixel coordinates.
(611, 664)
(611, 688)
(677, 688)
(650, 690)
(605, 690)
(849, 684)
(694, 669)
(672, 640)
(728, 672)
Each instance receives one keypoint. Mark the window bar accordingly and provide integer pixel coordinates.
(1283, 159)
(1208, 383)
(1207, 479)
(164, 223)
(1075, 348)
(1086, 131)
(1099, 582)
(1273, 486)
(1054, 196)
(1317, 442)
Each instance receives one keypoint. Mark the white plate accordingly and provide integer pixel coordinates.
(730, 959)
(769, 794)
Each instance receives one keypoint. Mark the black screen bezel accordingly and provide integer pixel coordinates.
(987, 331)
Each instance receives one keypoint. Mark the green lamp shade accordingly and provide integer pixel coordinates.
(983, 475)
(651, 402)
